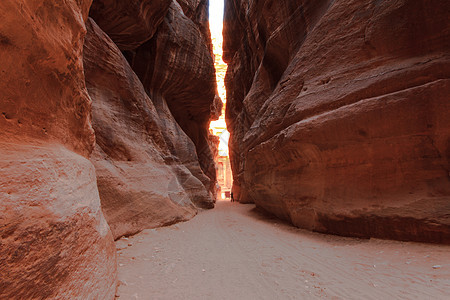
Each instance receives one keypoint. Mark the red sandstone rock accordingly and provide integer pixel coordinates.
(197, 11)
(42, 84)
(54, 241)
(144, 161)
(129, 23)
(338, 113)
(176, 66)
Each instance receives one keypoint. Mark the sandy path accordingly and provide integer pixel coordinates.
(233, 252)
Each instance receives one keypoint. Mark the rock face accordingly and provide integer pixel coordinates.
(140, 155)
(338, 113)
(144, 161)
(197, 11)
(54, 240)
(152, 150)
(176, 66)
(129, 23)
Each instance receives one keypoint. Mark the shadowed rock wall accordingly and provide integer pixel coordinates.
(338, 113)
(176, 66)
(151, 111)
(144, 161)
(129, 23)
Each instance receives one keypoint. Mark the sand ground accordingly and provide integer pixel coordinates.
(235, 252)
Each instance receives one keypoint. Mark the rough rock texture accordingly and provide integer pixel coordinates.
(42, 83)
(197, 11)
(176, 66)
(144, 161)
(54, 241)
(129, 23)
(338, 113)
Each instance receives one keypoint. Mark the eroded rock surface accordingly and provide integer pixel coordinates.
(338, 113)
(129, 23)
(176, 66)
(144, 161)
(152, 150)
(54, 240)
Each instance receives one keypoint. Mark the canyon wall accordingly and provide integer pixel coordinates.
(153, 91)
(54, 240)
(176, 67)
(339, 114)
(89, 150)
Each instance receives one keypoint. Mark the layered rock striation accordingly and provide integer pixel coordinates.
(176, 67)
(338, 113)
(54, 240)
(129, 23)
(153, 94)
(144, 161)
(88, 154)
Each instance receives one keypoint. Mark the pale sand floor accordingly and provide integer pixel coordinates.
(233, 252)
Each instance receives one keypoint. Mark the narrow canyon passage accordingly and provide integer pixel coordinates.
(118, 118)
(234, 252)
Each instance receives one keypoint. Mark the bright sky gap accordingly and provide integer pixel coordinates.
(216, 25)
(216, 15)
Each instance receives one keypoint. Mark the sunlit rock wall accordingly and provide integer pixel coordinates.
(63, 146)
(339, 114)
(54, 240)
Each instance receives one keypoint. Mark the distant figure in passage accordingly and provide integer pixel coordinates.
(232, 198)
